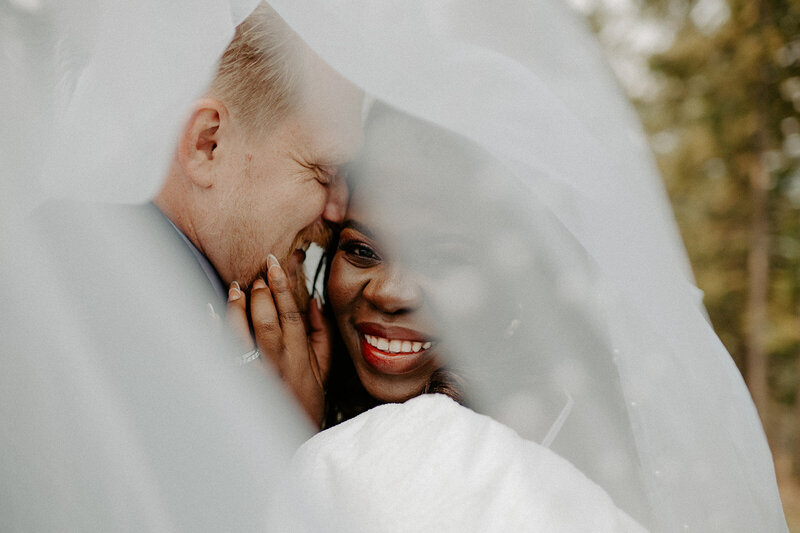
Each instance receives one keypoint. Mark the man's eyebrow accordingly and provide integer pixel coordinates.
(333, 158)
(352, 224)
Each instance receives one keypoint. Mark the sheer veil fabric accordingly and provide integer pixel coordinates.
(574, 318)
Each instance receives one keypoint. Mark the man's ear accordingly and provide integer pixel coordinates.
(198, 148)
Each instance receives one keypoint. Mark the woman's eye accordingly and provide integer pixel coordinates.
(359, 253)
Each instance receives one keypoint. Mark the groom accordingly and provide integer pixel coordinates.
(254, 174)
(255, 169)
(127, 400)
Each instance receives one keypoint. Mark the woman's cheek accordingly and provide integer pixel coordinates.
(344, 289)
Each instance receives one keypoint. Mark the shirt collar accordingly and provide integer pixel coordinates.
(205, 264)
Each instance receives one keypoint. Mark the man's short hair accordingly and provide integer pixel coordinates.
(260, 72)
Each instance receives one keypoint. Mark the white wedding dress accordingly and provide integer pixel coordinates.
(597, 365)
(432, 465)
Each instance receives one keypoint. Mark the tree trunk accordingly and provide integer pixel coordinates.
(758, 287)
(796, 447)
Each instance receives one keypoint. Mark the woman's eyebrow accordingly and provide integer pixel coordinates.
(353, 224)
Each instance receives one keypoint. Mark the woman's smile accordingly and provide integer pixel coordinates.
(393, 350)
(396, 346)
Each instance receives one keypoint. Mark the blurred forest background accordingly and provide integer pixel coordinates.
(717, 85)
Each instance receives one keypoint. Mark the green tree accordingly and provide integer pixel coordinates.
(724, 121)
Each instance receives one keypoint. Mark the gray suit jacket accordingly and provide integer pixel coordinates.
(120, 406)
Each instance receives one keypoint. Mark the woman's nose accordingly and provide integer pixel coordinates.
(393, 290)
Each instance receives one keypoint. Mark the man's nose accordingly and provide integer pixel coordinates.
(393, 290)
(336, 203)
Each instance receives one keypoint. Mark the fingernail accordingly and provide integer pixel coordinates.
(211, 313)
(276, 276)
(234, 293)
(259, 284)
(275, 271)
(318, 301)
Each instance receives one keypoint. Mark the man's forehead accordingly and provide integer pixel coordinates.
(335, 142)
(308, 137)
(331, 109)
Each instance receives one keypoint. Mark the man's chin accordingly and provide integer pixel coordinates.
(297, 278)
(319, 233)
(293, 262)
(293, 267)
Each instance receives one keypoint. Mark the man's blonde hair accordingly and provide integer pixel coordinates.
(259, 74)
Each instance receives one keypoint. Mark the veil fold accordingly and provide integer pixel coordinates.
(96, 92)
(525, 82)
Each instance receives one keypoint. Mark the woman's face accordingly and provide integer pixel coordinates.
(382, 311)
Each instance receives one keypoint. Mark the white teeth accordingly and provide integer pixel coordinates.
(396, 345)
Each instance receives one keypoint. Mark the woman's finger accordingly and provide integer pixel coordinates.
(236, 316)
(291, 319)
(320, 341)
(297, 365)
(266, 324)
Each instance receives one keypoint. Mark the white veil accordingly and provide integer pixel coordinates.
(611, 363)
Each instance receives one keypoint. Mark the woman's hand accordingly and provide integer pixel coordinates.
(302, 360)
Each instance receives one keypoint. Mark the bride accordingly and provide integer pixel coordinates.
(448, 465)
(569, 312)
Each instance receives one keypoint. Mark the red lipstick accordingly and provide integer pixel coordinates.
(391, 349)
(392, 332)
